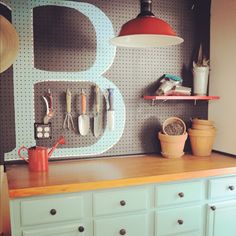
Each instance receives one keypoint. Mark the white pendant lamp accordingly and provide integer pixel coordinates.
(146, 31)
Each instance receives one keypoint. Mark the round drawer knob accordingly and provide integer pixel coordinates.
(180, 222)
(213, 208)
(181, 194)
(53, 212)
(231, 187)
(122, 232)
(122, 203)
(81, 229)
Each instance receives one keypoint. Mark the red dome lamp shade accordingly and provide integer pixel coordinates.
(146, 31)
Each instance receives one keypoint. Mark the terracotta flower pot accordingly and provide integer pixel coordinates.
(197, 121)
(198, 126)
(202, 141)
(172, 146)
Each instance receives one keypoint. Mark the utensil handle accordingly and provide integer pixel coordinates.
(83, 102)
(68, 101)
(19, 151)
(50, 100)
(111, 98)
(46, 103)
(97, 99)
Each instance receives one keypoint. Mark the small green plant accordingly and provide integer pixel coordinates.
(202, 61)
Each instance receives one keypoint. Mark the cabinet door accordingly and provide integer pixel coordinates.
(222, 219)
(79, 229)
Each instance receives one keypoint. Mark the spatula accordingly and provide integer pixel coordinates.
(83, 120)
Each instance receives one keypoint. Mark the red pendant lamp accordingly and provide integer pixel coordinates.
(146, 31)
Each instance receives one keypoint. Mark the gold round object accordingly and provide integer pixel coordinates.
(9, 44)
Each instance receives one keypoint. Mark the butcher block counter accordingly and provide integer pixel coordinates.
(111, 172)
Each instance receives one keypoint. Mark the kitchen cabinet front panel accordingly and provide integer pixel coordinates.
(222, 187)
(49, 210)
(79, 229)
(120, 201)
(135, 225)
(222, 219)
(180, 220)
(179, 193)
(147, 210)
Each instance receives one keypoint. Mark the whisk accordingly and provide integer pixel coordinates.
(68, 121)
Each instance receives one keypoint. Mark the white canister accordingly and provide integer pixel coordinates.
(200, 80)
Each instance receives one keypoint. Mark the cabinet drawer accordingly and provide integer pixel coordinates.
(222, 187)
(136, 225)
(179, 193)
(195, 233)
(80, 229)
(51, 209)
(118, 201)
(173, 222)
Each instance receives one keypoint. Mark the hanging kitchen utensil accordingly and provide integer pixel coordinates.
(97, 125)
(83, 120)
(9, 44)
(48, 99)
(38, 156)
(110, 111)
(68, 121)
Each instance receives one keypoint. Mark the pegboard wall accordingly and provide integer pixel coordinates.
(58, 90)
(68, 44)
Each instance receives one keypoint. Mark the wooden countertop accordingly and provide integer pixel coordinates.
(91, 174)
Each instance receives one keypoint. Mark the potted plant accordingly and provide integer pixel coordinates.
(173, 137)
(200, 74)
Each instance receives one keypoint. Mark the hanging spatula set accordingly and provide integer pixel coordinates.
(83, 118)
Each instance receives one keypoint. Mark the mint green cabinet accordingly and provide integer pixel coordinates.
(200, 207)
(221, 210)
(222, 219)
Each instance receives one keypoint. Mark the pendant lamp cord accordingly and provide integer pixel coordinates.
(145, 8)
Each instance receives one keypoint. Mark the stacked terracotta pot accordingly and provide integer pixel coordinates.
(202, 135)
(173, 137)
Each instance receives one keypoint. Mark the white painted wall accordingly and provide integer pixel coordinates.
(223, 73)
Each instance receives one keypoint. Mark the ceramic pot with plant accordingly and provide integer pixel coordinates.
(200, 74)
(173, 137)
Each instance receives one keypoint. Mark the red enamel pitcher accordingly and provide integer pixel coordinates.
(38, 156)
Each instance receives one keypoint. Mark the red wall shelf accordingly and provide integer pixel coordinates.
(198, 97)
(194, 98)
